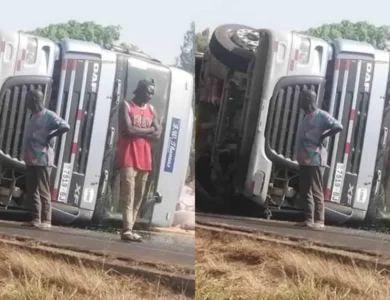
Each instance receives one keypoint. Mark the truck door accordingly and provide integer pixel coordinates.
(176, 146)
(379, 207)
(139, 69)
(130, 70)
(356, 99)
(82, 88)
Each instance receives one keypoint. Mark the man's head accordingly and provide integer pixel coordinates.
(307, 100)
(34, 100)
(144, 91)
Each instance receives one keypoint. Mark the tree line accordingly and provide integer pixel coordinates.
(84, 31)
(110, 35)
(193, 41)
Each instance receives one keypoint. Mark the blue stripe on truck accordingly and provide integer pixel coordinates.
(172, 145)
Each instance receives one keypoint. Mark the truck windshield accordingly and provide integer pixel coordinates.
(138, 70)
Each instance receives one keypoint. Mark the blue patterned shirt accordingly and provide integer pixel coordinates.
(37, 151)
(311, 152)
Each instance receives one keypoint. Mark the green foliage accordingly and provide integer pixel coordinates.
(202, 40)
(130, 47)
(186, 60)
(379, 36)
(86, 31)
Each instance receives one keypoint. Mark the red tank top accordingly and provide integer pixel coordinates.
(136, 152)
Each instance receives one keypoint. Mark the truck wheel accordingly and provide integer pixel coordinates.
(234, 45)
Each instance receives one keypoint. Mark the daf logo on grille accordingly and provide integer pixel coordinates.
(367, 78)
(95, 77)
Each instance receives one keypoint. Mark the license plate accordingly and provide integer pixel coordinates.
(65, 182)
(338, 183)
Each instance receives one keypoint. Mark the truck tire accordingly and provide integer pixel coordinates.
(234, 45)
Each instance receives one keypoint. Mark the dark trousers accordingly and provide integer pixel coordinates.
(312, 192)
(38, 191)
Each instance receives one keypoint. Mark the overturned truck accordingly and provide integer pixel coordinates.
(249, 84)
(84, 84)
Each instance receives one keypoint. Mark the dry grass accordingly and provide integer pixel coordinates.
(232, 267)
(26, 276)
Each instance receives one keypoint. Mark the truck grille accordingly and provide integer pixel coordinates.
(86, 132)
(13, 119)
(86, 128)
(283, 120)
(357, 140)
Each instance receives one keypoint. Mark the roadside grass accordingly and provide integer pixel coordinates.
(28, 276)
(232, 267)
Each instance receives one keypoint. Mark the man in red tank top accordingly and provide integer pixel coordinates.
(138, 125)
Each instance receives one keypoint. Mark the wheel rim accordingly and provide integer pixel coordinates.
(246, 38)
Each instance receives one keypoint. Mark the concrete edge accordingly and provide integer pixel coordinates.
(102, 254)
(178, 283)
(289, 238)
(174, 230)
(149, 230)
(240, 218)
(344, 256)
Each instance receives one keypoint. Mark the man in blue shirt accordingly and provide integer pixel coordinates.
(316, 126)
(43, 126)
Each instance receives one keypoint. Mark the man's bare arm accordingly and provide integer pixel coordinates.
(127, 125)
(157, 126)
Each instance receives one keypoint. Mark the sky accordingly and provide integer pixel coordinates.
(289, 15)
(158, 26)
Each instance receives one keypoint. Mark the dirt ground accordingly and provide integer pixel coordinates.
(27, 276)
(230, 266)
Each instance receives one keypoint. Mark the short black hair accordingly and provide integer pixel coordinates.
(144, 84)
(310, 96)
(36, 95)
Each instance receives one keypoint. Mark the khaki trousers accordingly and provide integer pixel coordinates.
(132, 189)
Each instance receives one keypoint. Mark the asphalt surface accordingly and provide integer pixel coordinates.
(158, 248)
(352, 239)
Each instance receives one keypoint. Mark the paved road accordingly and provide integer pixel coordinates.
(159, 248)
(358, 240)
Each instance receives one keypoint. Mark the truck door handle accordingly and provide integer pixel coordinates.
(112, 137)
(118, 91)
(378, 182)
(385, 134)
(105, 182)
